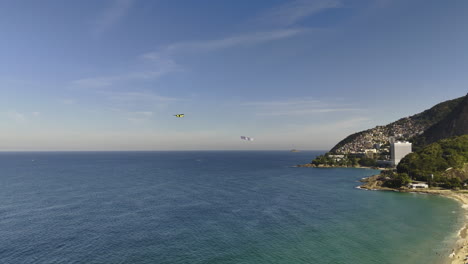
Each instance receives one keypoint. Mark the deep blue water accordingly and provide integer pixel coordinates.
(209, 207)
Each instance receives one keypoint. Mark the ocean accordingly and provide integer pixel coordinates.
(210, 207)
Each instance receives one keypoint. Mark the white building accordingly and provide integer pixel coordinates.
(336, 157)
(398, 150)
(418, 185)
(370, 153)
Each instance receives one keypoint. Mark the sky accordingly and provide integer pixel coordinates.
(303, 74)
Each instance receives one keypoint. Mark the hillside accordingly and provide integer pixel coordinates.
(446, 158)
(409, 127)
(453, 124)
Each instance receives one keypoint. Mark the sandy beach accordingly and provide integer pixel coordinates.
(460, 249)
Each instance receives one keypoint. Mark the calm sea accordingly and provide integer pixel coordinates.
(209, 207)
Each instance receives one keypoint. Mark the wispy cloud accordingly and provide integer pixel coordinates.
(20, 117)
(162, 59)
(93, 82)
(285, 103)
(283, 16)
(296, 107)
(381, 3)
(112, 15)
(305, 111)
(232, 41)
(132, 105)
(223, 43)
(16, 116)
(139, 116)
(140, 97)
(157, 69)
(347, 123)
(139, 102)
(292, 12)
(67, 101)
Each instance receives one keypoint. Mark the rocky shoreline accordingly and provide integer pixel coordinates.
(310, 165)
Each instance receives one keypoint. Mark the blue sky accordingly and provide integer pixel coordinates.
(110, 74)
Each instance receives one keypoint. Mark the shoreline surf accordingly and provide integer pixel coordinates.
(459, 252)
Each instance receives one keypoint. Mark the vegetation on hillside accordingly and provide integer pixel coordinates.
(433, 162)
(327, 160)
(438, 112)
(453, 124)
(346, 161)
(395, 180)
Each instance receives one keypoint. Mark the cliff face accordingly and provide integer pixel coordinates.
(453, 124)
(411, 127)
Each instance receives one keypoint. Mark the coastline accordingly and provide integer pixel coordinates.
(310, 165)
(460, 248)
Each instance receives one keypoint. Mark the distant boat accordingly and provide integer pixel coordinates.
(295, 150)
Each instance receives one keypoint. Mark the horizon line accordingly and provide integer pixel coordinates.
(188, 150)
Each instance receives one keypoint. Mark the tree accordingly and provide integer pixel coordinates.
(436, 158)
(367, 162)
(398, 180)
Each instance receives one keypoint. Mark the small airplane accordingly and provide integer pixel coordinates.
(179, 115)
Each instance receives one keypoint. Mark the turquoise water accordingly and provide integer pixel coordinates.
(209, 207)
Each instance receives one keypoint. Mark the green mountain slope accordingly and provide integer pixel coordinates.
(453, 124)
(437, 161)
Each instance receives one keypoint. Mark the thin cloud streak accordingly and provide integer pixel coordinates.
(157, 69)
(67, 101)
(95, 82)
(224, 43)
(162, 59)
(282, 103)
(140, 103)
(306, 111)
(290, 13)
(112, 15)
(239, 40)
(295, 107)
(16, 116)
(137, 97)
(140, 116)
(284, 15)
